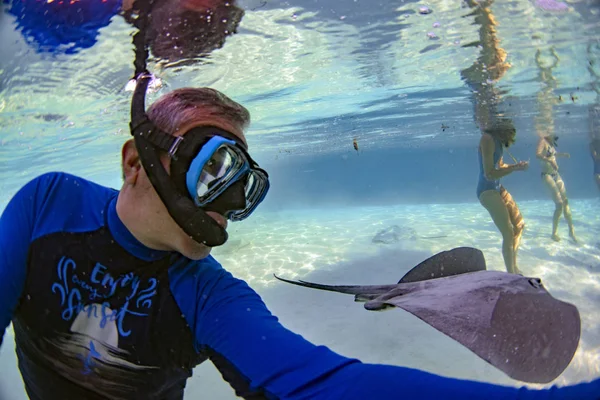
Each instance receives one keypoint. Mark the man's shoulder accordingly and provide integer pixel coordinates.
(202, 276)
(67, 188)
(64, 181)
(66, 202)
(204, 268)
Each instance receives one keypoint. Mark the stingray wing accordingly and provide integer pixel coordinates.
(509, 320)
(456, 261)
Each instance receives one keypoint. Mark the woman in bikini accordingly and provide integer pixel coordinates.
(546, 61)
(546, 153)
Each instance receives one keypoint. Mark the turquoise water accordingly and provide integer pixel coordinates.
(316, 75)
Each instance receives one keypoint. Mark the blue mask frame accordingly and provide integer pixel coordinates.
(243, 166)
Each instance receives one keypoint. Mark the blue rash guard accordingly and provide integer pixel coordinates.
(98, 315)
(62, 25)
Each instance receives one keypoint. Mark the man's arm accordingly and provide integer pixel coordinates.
(257, 355)
(16, 227)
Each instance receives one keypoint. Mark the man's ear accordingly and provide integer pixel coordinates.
(131, 164)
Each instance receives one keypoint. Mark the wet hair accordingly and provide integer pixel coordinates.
(552, 139)
(503, 130)
(178, 33)
(183, 106)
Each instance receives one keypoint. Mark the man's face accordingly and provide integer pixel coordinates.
(169, 233)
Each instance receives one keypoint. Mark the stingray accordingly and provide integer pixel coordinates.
(396, 233)
(510, 321)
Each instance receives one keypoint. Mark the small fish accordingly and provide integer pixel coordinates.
(444, 127)
(560, 98)
(355, 144)
(573, 97)
(51, 117)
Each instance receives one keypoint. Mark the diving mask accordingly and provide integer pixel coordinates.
(210, 170)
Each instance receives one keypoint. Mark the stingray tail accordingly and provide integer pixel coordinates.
(347, 289)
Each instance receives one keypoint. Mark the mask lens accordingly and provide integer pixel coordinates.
(257, 185)
(250, 185)
(219, 168)
(220, 164)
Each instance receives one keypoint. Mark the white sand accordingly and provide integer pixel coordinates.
(334, 246)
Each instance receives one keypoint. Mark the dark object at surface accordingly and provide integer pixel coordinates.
(180, 34)
(62, 26)
(51, 117)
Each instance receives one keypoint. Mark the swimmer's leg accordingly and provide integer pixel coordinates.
(516, 219)
(558, 204)
(494, 204)
(563, 195)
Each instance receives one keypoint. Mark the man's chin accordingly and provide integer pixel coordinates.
(197, 252)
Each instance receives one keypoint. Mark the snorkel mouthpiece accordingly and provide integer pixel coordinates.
(190, 218)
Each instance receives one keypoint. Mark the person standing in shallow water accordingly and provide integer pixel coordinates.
(594, 110)
(497, 131)
(546, 153)
(547, 143)
(493, 196)
(595, 152)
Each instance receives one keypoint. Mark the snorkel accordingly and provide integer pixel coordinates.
(192, 219)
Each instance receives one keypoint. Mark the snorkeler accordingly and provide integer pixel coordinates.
(546, 153)
(493, 196)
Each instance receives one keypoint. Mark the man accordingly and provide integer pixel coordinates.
(113, 294)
